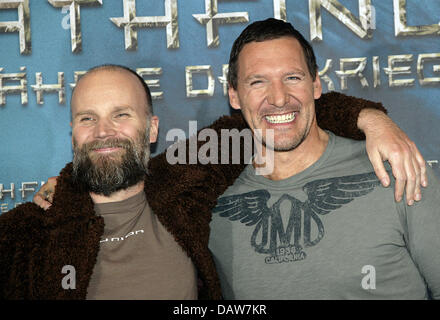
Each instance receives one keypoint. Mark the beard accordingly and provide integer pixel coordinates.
(105, 174)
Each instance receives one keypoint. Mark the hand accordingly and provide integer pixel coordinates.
(387, 142)
(44, 197)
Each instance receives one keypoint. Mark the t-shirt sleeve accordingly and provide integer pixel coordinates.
(423, 234)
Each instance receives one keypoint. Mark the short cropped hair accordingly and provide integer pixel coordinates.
(263, 30)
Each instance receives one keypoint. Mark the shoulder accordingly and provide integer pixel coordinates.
(345, 157)
(342, 143)
(430, 197)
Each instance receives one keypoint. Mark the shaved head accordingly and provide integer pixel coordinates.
(118, 68)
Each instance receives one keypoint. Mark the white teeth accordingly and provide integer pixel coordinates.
(281, 118)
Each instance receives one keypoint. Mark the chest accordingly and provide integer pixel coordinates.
(278, 245)
(139, 259)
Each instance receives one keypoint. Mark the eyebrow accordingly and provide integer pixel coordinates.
(90, 111)
(82, 113)
(297, 71)
(123, 108)
(259, 76)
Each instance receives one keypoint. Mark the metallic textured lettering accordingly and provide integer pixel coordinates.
(211, 18)
(75, 18)
(22, 25)
(41, 88)
(130, 22)
(362, 27)
(401, 29)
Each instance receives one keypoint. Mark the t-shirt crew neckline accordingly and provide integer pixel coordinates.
(115, 207)
(250, 175)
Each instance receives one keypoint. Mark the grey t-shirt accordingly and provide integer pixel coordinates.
(138, 258)
(329, 232)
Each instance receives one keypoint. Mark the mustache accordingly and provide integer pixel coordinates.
(109, 143)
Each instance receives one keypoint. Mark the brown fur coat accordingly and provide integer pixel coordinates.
(35, 245)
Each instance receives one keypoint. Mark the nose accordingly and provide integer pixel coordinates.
(104, 129)
(277, 95)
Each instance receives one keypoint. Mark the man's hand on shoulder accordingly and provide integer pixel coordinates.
(44, 196)
(385, 141)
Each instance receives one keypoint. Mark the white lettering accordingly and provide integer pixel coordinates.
(369, 280)
(69, 281)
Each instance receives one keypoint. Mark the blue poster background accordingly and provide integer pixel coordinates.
(35, 139)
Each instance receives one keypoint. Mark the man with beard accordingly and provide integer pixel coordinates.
(101, 238)
(121, 252)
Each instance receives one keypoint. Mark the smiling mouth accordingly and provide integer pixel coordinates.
(281, 118)
(107, 149)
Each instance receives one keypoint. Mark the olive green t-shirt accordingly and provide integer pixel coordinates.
(138, 257)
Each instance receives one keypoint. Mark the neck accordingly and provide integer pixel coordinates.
(118, 195)
(288, 163)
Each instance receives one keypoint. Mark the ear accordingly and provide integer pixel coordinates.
(233, 98)
(317, 87)
(154, 128)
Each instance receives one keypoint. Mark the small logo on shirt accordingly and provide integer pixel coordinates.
(117, 239)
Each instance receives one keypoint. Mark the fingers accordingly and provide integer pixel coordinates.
(44, 197)
(49, 195)
(411, 179)
(422, 165)
(39, 200)
(379, 168)
(415, 168)
(408, 174)
(417, 190)
(400, 180)
(387, 142)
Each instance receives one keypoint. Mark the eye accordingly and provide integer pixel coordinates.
(86, 119)
(122, 115)
(256, 82)
(294, 78)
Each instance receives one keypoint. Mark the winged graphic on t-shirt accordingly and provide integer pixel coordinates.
(323, 196)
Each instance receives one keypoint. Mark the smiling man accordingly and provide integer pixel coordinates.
(100, 226)
(111, 133)
(310, 229)
(276, 91)
(112, 128)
